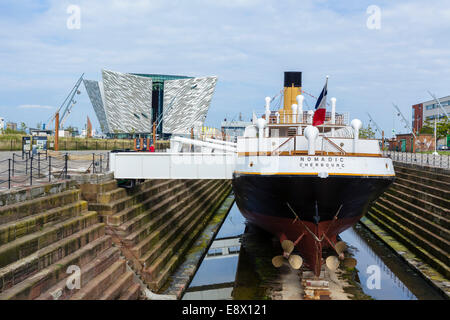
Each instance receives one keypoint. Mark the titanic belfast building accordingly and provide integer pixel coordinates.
(127, 103)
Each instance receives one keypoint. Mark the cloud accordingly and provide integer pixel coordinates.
(34, 106)
(246, 43)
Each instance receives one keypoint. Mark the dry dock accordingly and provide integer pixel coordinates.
(173, 239)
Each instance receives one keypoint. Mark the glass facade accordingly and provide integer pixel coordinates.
(158, 92)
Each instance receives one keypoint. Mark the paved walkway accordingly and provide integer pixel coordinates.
(18, 173)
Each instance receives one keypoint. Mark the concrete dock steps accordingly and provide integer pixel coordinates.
(415, 198)
(135, 196)
(25, 246)
(124, 220)
(23, 209)
(420, 228)
(15, 229)
(423, 193)
(30, 277)
(43, 237)
(161, 268)
(91, 191)
(416, 244)
(415, 210)
(112, 195)
(154, 192)
(164, 212)
(436, 181)
(424, 210)
(132, 293)
(118, 286)
(157, 219)
(97, 286)
(95, 265)
(159, 239)
(34, 192)
(426, 189)
(423, 172)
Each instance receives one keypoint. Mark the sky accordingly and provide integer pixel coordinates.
(372, 60)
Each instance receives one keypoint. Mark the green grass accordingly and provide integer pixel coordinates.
(446, 153)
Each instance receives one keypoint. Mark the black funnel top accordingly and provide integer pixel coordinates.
(293, 78)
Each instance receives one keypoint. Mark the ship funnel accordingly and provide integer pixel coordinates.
(292, 88)
(356, 125)
(311, 134)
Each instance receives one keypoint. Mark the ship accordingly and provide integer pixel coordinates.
(305, 183)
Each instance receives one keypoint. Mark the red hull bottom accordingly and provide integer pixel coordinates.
(309, 238)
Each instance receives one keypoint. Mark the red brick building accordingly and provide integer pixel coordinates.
(417, 117)
(404, 142)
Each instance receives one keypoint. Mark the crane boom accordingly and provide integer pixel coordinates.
(376, 125)
(404, 119)
(67, 104)
(439, 103)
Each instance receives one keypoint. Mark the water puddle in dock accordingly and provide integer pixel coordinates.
(238, 266)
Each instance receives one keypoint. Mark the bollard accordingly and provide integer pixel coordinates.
(93, 163)
(31, 171)
(13, 164)
(65, 166)
(101, 163)
(9, 173)
(39, 165)
(49, 169)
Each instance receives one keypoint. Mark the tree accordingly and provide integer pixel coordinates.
(23, 127)
(442, 128)
(367, 133)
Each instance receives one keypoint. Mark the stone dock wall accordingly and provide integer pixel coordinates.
(415, 211)
(86, 238)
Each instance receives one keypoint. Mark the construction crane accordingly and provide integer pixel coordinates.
(66, 106)
(377, 127)
(400, 114)
(439, 104)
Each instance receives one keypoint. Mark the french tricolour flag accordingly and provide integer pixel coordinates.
(321, 107)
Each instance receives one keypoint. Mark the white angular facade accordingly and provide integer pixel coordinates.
(123, 103)
(128, 102)
(186, 103)
(94, 90)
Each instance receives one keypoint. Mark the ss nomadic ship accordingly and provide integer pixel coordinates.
(306, 176)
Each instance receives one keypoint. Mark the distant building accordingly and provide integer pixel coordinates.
(11, 126)
(429, 110)
(40, 132)
(234, 129)
(2, 125)
(404, 143)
